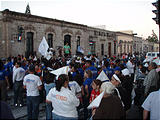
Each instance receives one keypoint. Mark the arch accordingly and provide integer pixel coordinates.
(78, 33)
(29, 27)
(50, 29)
(67, 31)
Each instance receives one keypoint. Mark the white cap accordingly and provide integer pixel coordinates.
(146, 65)
(125, 72)
(116, 77)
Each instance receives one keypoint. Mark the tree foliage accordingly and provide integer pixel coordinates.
(153, 38)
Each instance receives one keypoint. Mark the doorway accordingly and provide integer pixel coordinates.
(29, 44)
(67, 39)
(109, 49)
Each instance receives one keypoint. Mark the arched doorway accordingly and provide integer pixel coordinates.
(67, 39)
(29, 44)
(50, 40)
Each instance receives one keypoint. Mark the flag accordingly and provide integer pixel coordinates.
(43, 47)
(96, 102)
(62, 70)
(102, 76)
(19, 37)
(80, 49)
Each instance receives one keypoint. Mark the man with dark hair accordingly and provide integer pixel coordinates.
(92, 68)
(18, 76)
(151, 80)
(33, 84)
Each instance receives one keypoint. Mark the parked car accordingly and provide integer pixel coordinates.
(151, 56)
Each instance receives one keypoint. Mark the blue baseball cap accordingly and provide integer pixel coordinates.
(117, 69)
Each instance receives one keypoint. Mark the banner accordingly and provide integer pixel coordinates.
(62, 70)
(102, 76)
(96, 102)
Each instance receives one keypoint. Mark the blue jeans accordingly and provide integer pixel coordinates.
(33, 106)
(49, 111)
(57, 117)
(48, 105)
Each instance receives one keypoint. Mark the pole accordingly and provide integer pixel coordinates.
(159, 40)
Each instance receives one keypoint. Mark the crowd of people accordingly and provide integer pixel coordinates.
(67, 96)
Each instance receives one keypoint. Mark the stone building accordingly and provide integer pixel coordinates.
(125, 42)
(22, 33)
(137, 44)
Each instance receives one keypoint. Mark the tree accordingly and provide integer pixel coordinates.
(152, 38)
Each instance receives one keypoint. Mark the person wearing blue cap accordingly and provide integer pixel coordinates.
(117, 70)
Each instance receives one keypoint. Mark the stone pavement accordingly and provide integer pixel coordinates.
(21, 112)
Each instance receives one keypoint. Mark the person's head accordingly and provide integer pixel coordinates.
(31, 68)
(107, 88)
(74, 68)
(152, 65)
(49, 77)
(96, 84)
(117, 70)
(140, 66)
(18, 64)
(63, 81)
(88, 74)
(143, 70)
(36, 68)
(88, 63)
(115, 80)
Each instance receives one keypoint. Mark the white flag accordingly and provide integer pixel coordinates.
(43, 47)
(96, 102)
(80, 49)
(62, 70)
(102, 76)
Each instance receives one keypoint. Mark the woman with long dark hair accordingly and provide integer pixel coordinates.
(63, 100)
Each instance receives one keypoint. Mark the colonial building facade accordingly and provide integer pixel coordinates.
(22, 33)
(125, 42)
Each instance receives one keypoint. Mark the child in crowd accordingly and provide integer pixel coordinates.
(96, 85)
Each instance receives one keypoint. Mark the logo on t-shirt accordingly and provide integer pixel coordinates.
(29, 80)
(60, 97)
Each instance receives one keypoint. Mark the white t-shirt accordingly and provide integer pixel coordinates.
(18, 74)
(64, 102)
(130, 67)
(152, 104)
(75, 88)
(32, 82)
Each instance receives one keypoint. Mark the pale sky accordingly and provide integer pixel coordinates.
(116, 15)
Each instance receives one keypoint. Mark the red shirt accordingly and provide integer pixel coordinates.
(94, 94)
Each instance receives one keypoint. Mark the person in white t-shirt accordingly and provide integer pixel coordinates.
(18, 76)
(63, 100)
(33, 84)
(152, 105)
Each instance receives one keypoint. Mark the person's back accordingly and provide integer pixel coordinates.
(110, 108)
(32, 82)
(64, 102)
(151, 80)
(152, 104)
